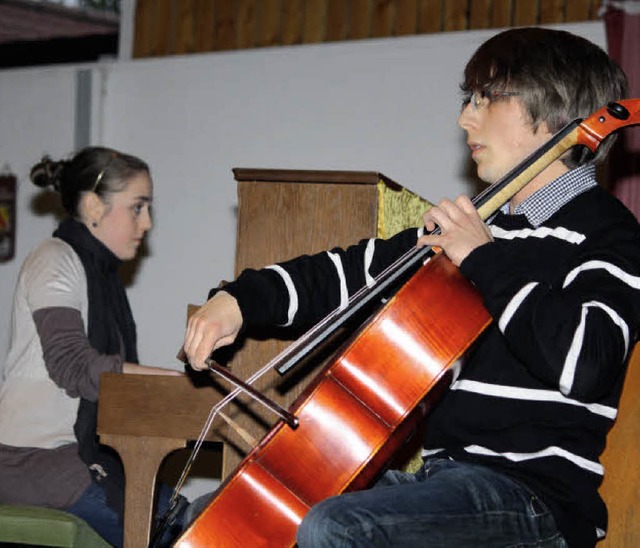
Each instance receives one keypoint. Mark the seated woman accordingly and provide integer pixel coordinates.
(71, 322)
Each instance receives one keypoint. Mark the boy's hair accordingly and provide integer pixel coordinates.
(558, 76)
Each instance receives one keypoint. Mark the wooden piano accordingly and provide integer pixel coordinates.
(281, 214)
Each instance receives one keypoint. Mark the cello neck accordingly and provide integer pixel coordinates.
(589, 132)
(500, 192)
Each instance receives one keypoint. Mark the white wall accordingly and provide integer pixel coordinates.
(37, 112)
(388, 105)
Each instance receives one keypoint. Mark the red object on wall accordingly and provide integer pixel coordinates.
(8, 190)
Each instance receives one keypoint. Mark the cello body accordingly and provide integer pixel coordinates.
(355, 416)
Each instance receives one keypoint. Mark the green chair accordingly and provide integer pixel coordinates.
(35, 526)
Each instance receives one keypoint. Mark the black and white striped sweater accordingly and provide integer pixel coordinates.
(539, 390)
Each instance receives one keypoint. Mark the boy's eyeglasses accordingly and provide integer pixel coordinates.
(482, 99)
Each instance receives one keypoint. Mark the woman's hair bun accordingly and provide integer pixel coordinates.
(47, 173)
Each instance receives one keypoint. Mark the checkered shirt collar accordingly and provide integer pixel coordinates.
(543, 203)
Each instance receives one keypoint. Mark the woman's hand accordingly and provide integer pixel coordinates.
(215, 324)
(461, 228)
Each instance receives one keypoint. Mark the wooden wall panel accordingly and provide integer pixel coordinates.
(430, 16)
(578, 10)
(314, 21)
(292, 17)
(206, 25)
(382, 18)
(455, 15)
(501, 14)
(223, 16)
(337, 20)
(480, 14)
(406, 17)
(551, 11)
(143, 28)
(185, 17)
(525, 13)
(170, 27)
(269, 23)
(164, 20)
(359, 19)
(246, 27)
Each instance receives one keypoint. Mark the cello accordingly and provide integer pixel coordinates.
(344, 429)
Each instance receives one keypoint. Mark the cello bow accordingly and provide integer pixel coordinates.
(364, 404)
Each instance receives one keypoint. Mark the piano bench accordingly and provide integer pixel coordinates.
(36, 526)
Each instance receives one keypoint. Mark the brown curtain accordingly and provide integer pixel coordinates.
(622, 25)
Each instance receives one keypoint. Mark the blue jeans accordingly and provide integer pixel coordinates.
(445, 504)
(92, 507)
